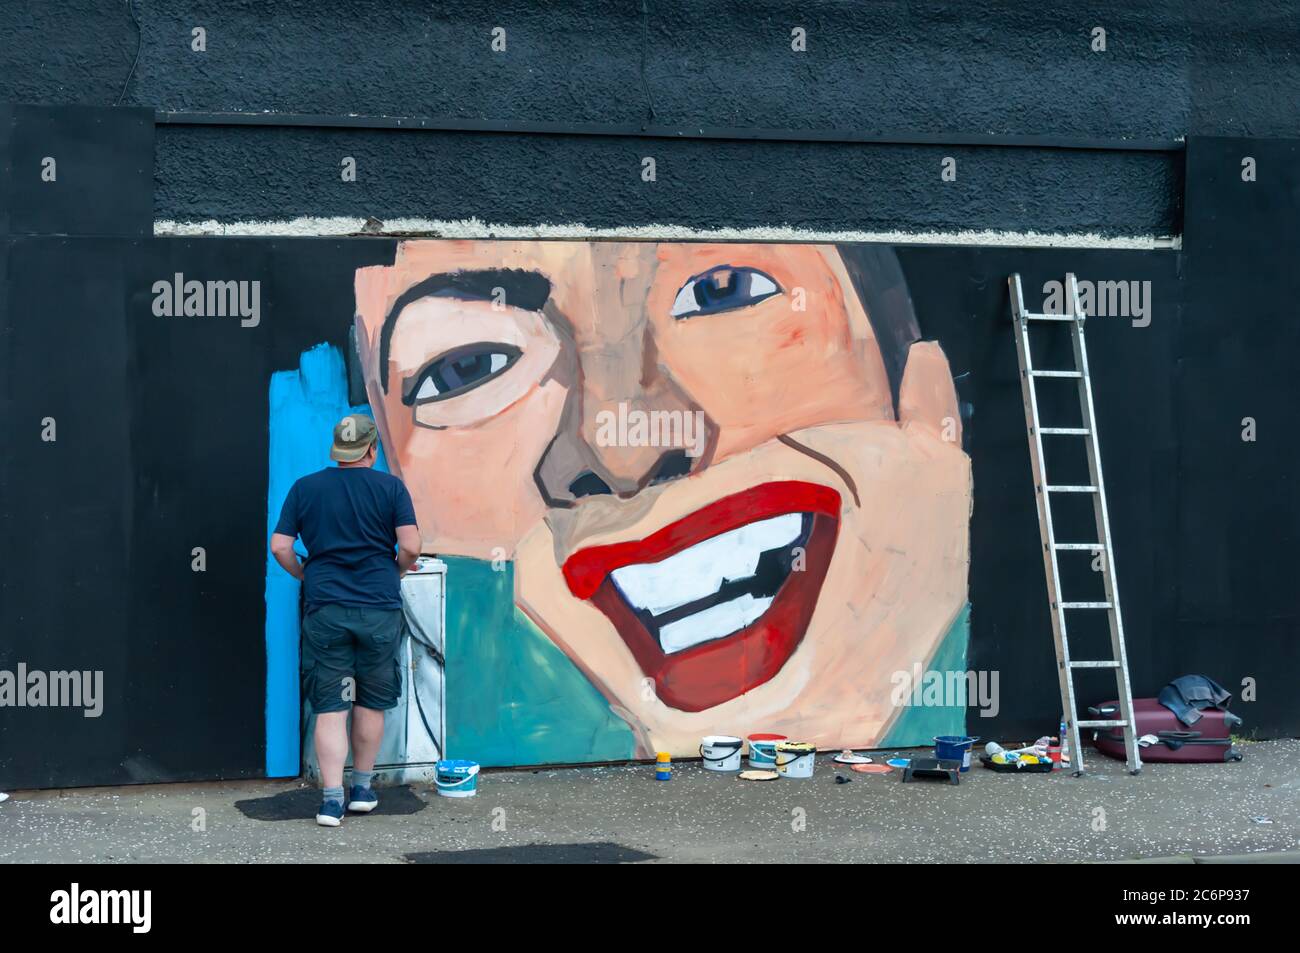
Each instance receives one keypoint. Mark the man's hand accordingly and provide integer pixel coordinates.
(282, 550)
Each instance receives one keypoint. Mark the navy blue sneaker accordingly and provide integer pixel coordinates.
(330, 814)
(362, 800)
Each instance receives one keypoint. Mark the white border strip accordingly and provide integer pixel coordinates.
(320, 227)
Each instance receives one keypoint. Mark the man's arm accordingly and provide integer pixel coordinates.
(408, 534)
(282, 550)
(285, 532)
(408, 547)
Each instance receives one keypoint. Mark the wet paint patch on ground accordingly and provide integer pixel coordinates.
(302, 803)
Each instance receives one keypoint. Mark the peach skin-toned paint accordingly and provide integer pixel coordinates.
(792, 390)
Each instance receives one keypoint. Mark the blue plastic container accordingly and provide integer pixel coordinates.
(954, 748)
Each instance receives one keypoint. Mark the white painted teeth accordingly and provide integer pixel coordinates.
(698, 572)
(712, 623)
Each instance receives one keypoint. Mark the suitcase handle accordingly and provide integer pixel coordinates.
(1099, 711)
(1177, 735)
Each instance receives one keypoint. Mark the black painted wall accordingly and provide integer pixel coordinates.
(162, 447)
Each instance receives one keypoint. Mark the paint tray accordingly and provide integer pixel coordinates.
(1043, 767)
(933, 768)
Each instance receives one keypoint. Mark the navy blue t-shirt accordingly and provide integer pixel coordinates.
(347, 518)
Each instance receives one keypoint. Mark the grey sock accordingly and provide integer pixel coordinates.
(332, 794)
(362, 778)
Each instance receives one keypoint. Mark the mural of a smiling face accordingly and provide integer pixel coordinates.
(717, 506)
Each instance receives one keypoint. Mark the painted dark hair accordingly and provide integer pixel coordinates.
(882, 288)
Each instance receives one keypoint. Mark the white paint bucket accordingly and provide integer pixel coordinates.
(762, 751)
(456, 778)
(721, 752)
(794, 759)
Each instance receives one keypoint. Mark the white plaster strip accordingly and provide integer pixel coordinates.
(317, 227)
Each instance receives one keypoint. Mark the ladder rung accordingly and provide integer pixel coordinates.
(1071, 489)
(1066, 431)
(1027, 316)
(1102, 724)
(1087, 546)
(1111, 664)
(1085, 605)
(1056, 373)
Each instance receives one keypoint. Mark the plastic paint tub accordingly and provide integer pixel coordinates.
(456, 778)
(721, 752)
(954, 748)
(762, 751)
(794, 759)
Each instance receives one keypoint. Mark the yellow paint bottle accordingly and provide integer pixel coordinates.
(663, 766)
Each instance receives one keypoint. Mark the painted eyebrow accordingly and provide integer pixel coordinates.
(528, 290)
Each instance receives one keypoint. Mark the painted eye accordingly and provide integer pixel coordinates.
(458, 371)
(723, 289)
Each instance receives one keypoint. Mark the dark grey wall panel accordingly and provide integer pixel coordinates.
(77, 170)
(1210, 67)
(1245, 68)
(922, 70)
(880, 66)
(884, 65)
(231, 174)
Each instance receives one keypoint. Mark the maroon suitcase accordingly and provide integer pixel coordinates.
(1207, 740)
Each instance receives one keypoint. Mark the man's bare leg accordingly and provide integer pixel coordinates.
(331, 738)
(367, 733)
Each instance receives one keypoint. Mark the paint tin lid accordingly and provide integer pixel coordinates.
(722, 741)
(456, 766)
(795, 747)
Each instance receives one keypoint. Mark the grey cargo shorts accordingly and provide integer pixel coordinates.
(356, 642)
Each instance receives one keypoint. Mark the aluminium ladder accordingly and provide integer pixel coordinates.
(1043, 492)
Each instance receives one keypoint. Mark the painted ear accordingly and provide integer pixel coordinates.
(927, 398)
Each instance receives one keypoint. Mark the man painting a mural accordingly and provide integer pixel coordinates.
(351, 518)
(801, 537)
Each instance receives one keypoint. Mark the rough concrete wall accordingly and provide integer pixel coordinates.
(217, 172)
(942, 69)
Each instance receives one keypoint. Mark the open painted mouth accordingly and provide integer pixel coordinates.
(715, 604)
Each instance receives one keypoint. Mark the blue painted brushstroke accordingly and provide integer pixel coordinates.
(304, 406)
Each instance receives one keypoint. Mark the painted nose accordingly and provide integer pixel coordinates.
(619, 448)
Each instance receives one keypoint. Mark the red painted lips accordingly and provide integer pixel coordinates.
(716, 671)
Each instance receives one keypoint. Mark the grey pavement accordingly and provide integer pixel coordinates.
(1246, 812)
